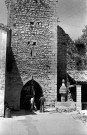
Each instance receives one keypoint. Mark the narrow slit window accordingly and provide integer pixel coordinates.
(31, 53)
(34, 43)
(28, 42)
(31, 23)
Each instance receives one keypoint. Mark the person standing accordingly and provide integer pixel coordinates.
(32, 103)
(42, 100)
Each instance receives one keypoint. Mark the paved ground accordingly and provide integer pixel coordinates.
(47, 123)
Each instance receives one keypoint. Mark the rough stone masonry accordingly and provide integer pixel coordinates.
(31, 49)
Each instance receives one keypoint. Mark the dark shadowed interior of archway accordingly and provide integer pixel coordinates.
(27, 93)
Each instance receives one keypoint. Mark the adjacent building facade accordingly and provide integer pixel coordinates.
(3, 39)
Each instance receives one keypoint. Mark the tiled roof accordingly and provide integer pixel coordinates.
(78, 76)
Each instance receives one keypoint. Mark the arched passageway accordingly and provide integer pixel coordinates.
(29, 89)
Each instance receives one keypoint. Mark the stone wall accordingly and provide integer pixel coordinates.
(63, 39)
(65, 57)
(32, 50)
(71, 56)
(61, 57)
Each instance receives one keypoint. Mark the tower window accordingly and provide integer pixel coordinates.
(31, 23)
(34, 43)
(31, 53)
(39, 24)
(28, 42)
(36, 1)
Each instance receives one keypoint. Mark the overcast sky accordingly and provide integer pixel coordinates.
(72, 15)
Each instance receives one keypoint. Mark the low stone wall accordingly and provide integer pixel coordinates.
(65, 106)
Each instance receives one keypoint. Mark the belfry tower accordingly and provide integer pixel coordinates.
(33, 49)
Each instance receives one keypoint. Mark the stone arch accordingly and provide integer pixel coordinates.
(27, 92)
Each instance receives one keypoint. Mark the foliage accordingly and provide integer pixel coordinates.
(84, 35)
(81, 45)
(83, 38)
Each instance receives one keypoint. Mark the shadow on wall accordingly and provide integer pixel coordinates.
(62, 41)
(13, 80)
(61, 66)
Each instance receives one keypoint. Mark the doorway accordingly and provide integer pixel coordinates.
(84, 96)
(29, 89)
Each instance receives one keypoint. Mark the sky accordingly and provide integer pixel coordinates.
(72, 16)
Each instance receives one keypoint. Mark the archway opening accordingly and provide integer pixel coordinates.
(31, 88)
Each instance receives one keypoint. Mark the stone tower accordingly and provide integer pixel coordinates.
(32, 49)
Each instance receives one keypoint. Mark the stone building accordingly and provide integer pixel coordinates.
(20, 64)
(31, 62)
(38, 55)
